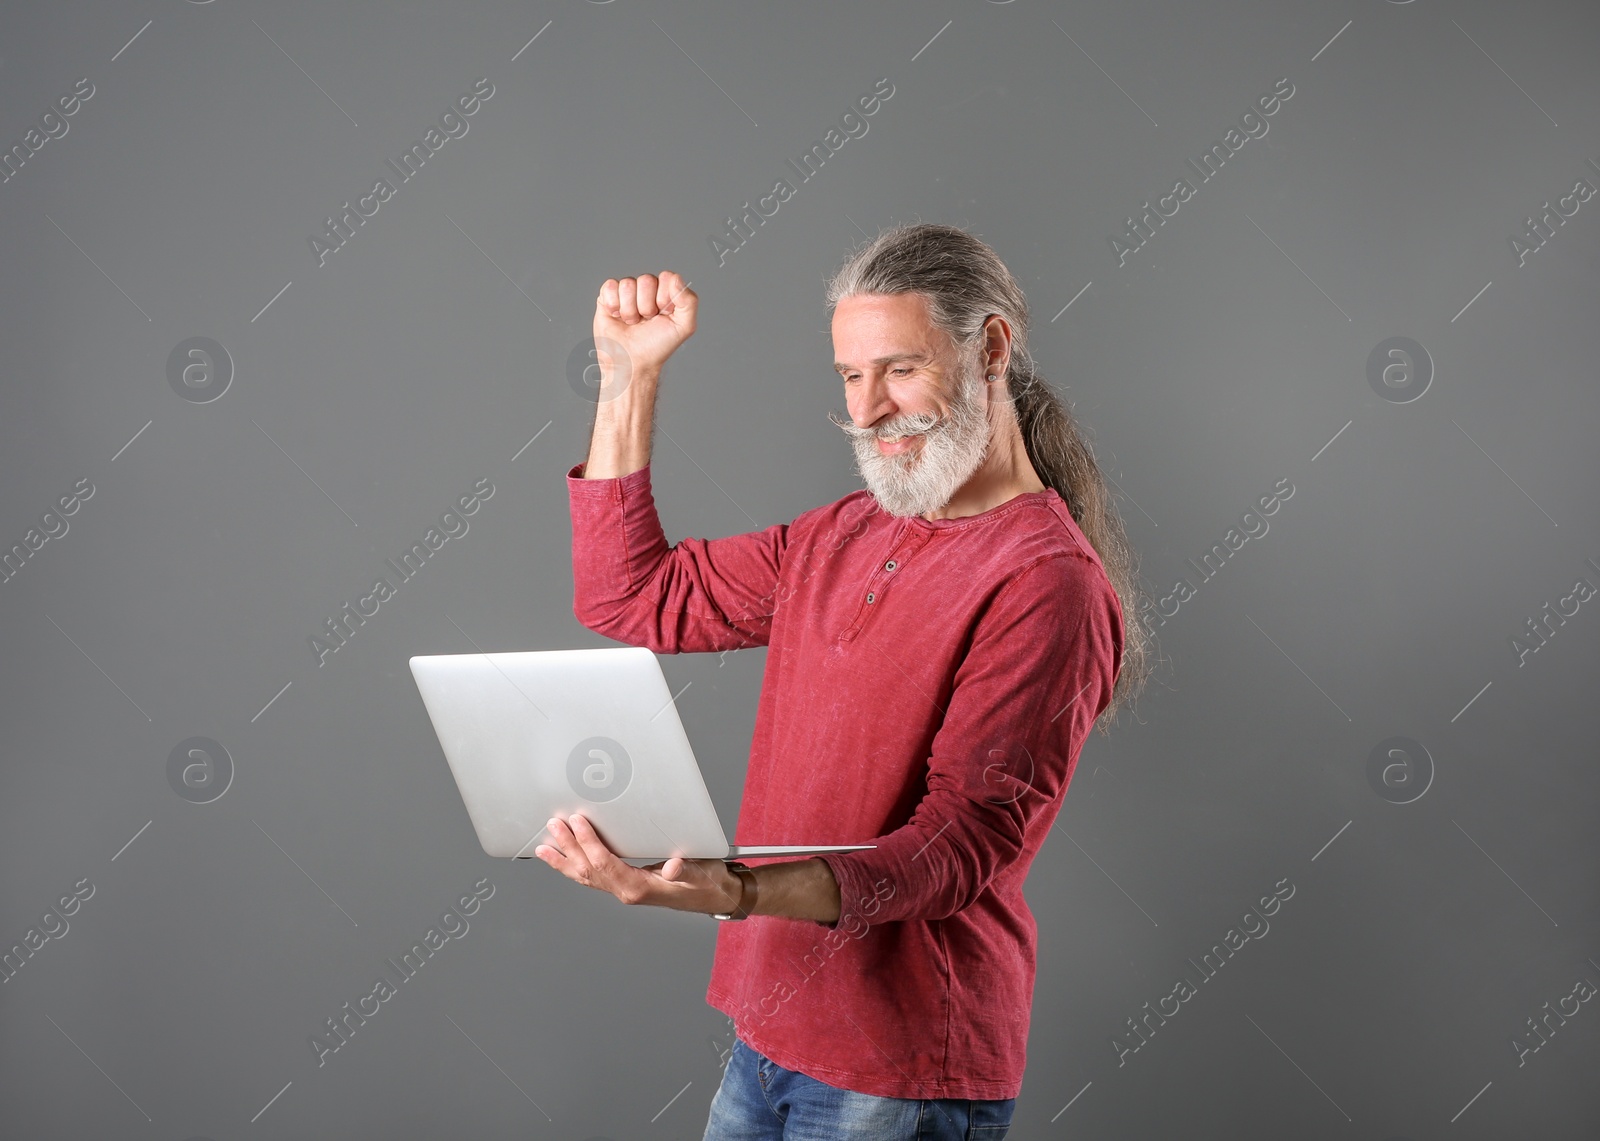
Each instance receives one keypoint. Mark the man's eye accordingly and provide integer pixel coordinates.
(902, 370)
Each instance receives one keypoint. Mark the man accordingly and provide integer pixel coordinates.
(939, 644)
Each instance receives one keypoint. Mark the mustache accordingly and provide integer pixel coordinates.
(907, 425)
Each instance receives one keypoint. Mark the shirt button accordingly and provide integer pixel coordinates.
(890, 565)
(870, 596)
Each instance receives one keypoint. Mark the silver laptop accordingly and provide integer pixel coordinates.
(532, 735)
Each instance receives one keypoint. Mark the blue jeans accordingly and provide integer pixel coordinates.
(759, 1100)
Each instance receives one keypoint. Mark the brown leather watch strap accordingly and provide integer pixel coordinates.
(747, 892)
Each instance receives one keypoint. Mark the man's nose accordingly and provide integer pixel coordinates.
(871, 402)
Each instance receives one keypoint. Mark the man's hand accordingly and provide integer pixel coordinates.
(648, 317)
(577, 852)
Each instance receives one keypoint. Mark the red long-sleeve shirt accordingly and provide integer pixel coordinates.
(928, 688)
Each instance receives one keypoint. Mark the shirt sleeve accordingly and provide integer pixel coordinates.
(1041, 667)
(700, 595)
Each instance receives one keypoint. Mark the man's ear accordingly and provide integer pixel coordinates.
(997, 336)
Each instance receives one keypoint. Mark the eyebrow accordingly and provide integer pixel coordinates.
(920, 358)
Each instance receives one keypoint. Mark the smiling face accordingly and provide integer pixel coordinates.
(918, 413)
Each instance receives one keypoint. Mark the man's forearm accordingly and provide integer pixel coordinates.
(620, 442)
(796, 889)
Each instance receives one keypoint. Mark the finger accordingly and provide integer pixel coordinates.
(699, 873)
(681, 301)
(556, 851)
(548, 854)
(602, 857)
(628, 295)
(608, 870)
(607, 302)
(678, 870)
(688, 879)
(557, 829)
(553, 858)
(572, 861)
(647, 294)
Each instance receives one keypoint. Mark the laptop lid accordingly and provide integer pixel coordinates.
(532, 734)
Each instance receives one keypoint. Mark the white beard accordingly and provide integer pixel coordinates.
(925, 477)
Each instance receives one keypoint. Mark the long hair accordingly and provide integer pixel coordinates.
(964, 282)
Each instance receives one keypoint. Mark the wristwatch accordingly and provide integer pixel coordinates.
(747, 891)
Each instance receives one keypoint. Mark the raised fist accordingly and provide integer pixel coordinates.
(646, 317)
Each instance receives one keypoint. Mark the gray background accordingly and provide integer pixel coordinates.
(371, 392)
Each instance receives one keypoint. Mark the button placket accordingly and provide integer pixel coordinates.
(888, 567)
(877, 582)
